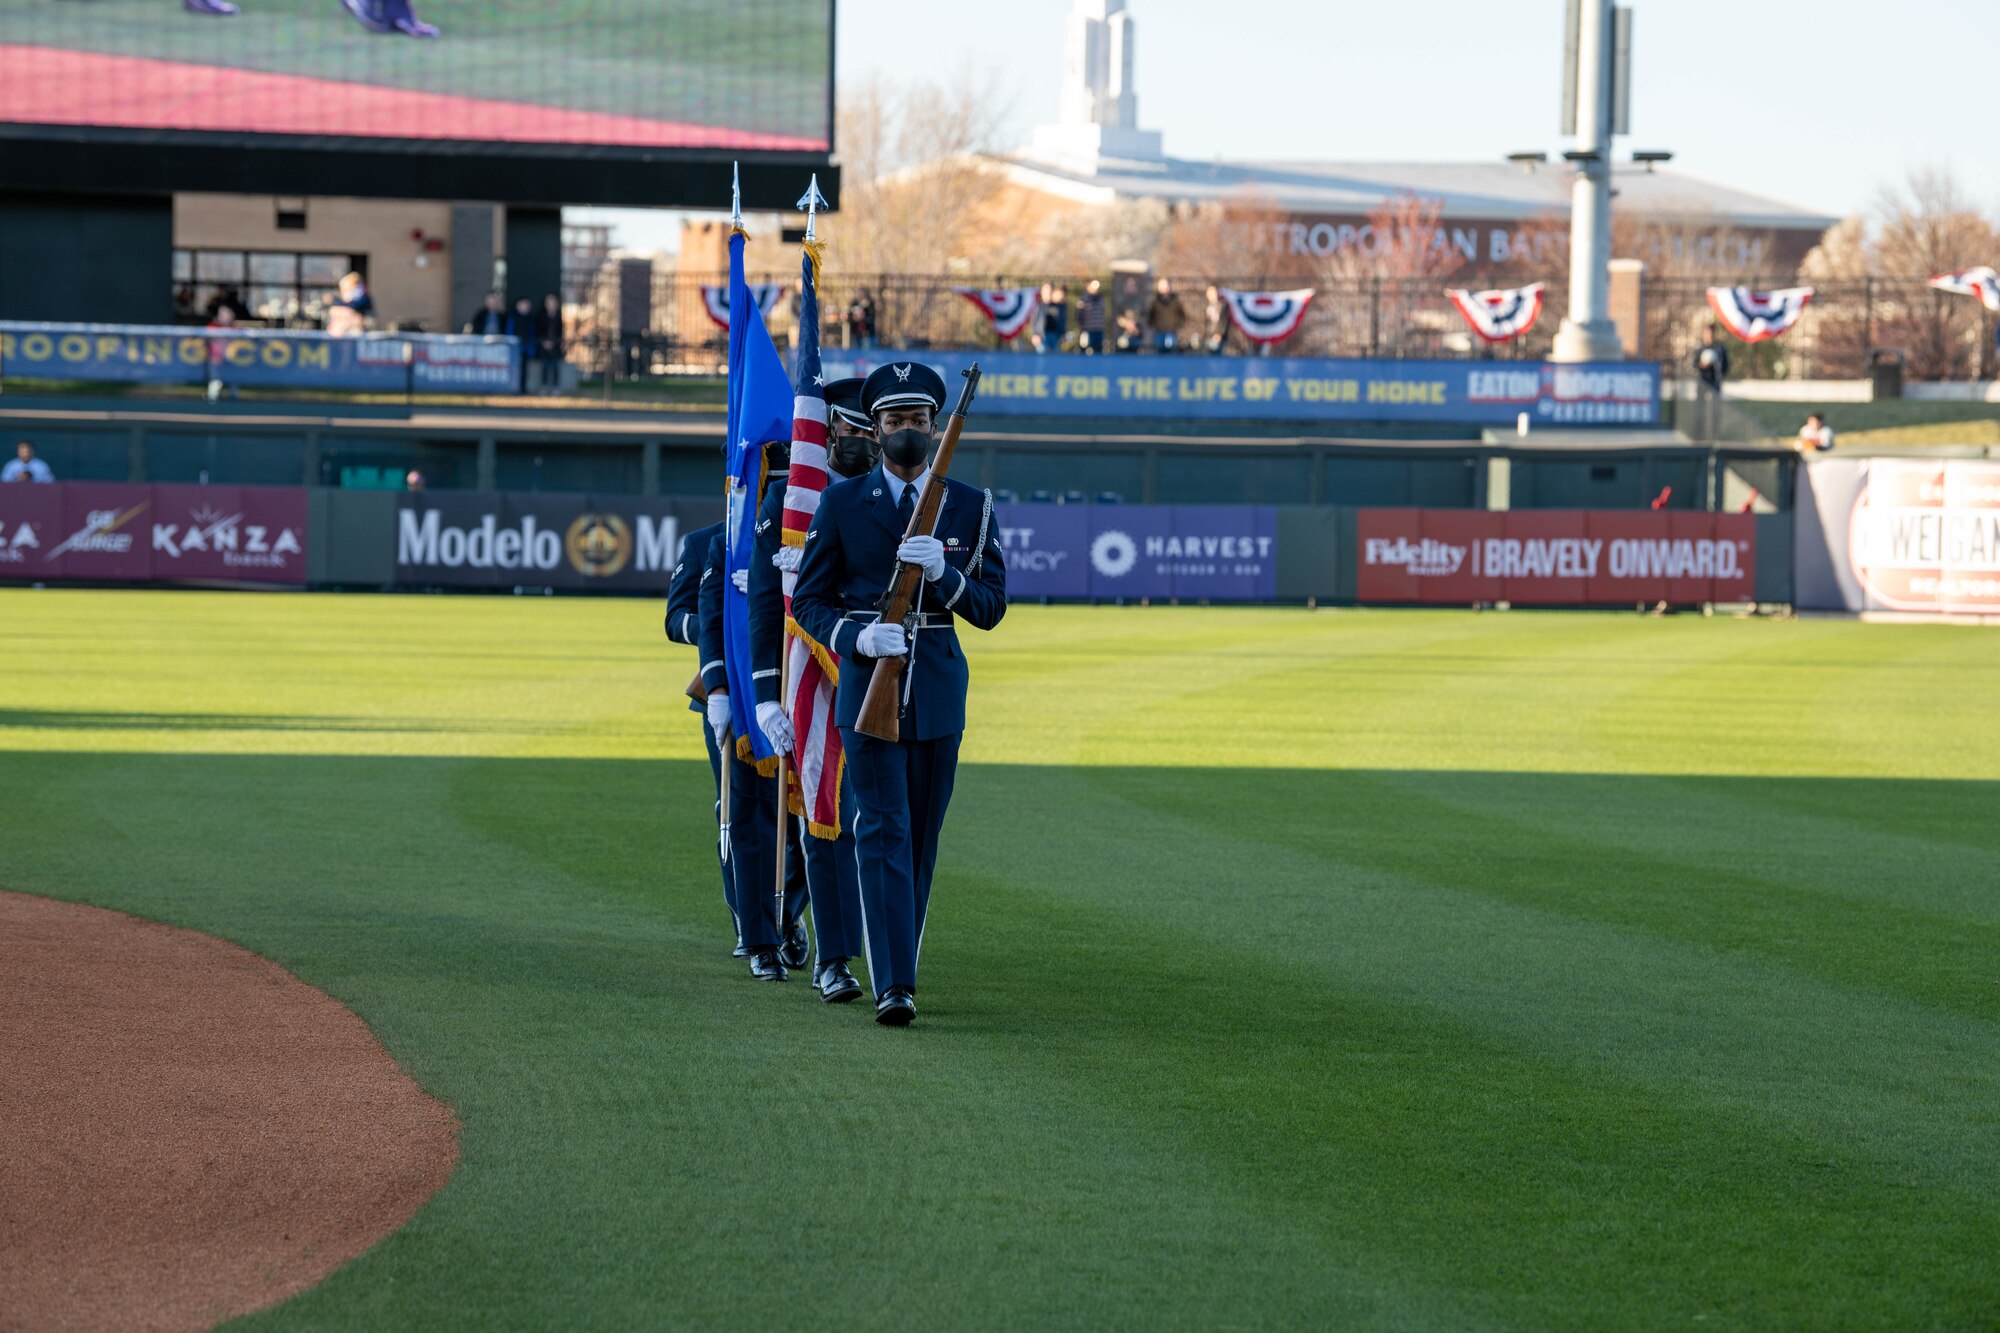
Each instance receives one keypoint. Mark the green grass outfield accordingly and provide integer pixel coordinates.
(1360, 969)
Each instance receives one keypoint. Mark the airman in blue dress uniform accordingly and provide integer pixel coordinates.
(902, 787)
(832, 877)
(753, 807)
(691, 572)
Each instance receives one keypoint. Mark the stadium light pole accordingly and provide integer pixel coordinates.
(1588, 334)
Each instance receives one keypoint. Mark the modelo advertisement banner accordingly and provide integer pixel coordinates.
(115, 532)
(253, 358)
(1554, 557)
(1490, 393)
(493, 539)
(1112, 552)
(1879, 534)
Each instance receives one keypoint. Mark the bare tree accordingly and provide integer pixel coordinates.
(1929, 226)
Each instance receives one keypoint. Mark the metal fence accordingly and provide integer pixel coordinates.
(1935, 335)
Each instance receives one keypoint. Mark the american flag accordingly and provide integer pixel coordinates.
(811, 672)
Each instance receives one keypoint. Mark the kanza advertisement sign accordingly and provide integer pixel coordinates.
(1127, 552)
(1554, 557)
(257, 358)
(124, 533)
(488, 539)
(1490, 393)
(1899, 535)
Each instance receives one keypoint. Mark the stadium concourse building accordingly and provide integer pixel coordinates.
(1507, 218)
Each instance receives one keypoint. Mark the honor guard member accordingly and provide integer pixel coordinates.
(832, 876)
(753, 808)
(691, 571)
(852, 553)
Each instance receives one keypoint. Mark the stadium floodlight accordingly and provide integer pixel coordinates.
(1582, 155)
(1649, 157)
(1527, 159)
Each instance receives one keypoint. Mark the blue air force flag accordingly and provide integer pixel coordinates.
(760, 413)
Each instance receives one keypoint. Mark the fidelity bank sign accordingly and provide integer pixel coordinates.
(553, 541)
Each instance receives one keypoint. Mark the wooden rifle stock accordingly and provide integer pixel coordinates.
(883, 703)
(696, 690)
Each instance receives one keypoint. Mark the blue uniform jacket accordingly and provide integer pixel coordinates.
(850, 554)
(767, 596)
(708, 619)
(691, 570)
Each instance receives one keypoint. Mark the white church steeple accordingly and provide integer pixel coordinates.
(1100, 107)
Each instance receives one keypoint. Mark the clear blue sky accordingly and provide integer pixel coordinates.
(1814, 102)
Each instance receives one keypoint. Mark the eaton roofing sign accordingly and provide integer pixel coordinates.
(1485, 393)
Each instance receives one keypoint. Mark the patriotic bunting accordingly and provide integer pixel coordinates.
(1267, 317)
(1007, 309)
(715, 300)
(1981, 282)
(811, 672)
(1500, 315)
(1754, 316)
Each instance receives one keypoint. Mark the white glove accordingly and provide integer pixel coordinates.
(880, 640)
(777, 728)
(925, 551)
(718, 716)
(787, 558)
(741, 578)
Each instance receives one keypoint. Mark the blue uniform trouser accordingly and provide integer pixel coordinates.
(901, 789)
(834, 880)
(753, 858)
(715, 767)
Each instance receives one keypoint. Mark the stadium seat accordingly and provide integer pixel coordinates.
(1110, 498)
(1040, 498)
(1075, 498)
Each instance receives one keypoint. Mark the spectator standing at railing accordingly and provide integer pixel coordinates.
(348, 317)
(1130, 335)
(227, 300)
(221, 320)
(490, 320)
(525, 328)
(1053, 318)
(861, 319)
(1815, 437)
(1711, 361)
(549, 343)
(1216, 321)
(1090, 318)
(24, 466)
(1166, 316)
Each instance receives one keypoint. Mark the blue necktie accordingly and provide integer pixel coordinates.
(906, 508)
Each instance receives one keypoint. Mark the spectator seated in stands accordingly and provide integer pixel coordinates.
(348, 317)
(24, 466)
(1815, 436)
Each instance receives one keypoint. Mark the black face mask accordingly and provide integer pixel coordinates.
(907, 448)
(852, 453)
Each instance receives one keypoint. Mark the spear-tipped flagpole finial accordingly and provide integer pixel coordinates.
(735, 195)
(812, 201)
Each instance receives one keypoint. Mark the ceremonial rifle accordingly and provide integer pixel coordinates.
(883, 702)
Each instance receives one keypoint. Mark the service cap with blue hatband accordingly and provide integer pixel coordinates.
(843, 400)
(902, 384)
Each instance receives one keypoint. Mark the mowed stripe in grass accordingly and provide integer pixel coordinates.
(1268, 1027)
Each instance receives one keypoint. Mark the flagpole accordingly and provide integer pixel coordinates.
(729, 750)
(810, 204)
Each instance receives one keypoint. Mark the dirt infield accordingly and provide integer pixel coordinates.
(190, 1132)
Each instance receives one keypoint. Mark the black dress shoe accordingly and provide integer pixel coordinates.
(764, 966)
(836, 984)
(796, 951)
(896, 1009)
(742, 950)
